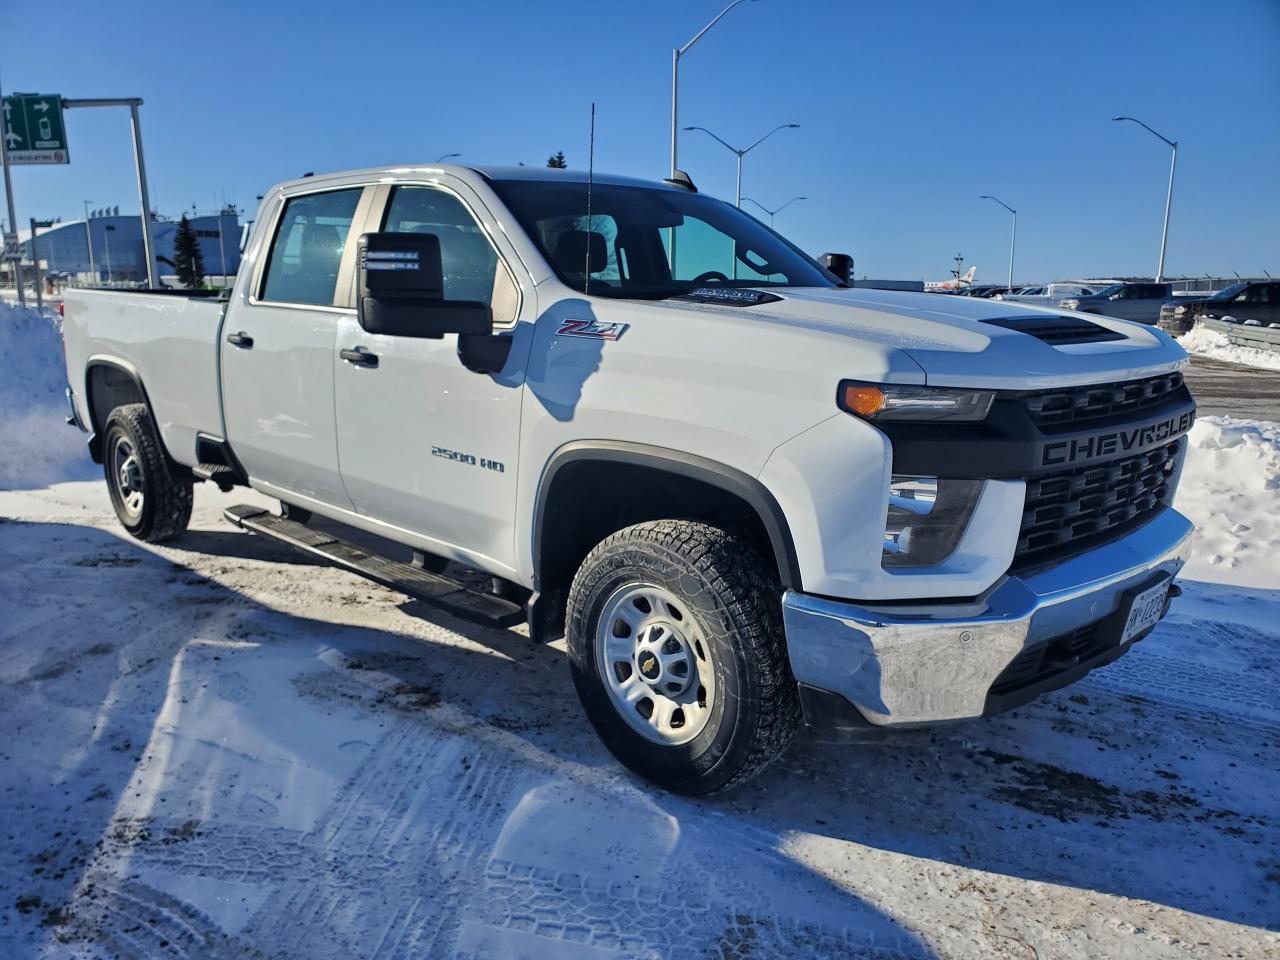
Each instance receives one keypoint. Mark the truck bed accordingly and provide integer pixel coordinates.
(167, 340)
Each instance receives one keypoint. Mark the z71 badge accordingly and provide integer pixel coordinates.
(592, 329)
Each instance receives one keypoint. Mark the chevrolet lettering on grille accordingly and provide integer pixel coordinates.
(1110, 443)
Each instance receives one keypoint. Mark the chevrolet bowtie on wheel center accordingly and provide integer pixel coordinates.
(749, 497)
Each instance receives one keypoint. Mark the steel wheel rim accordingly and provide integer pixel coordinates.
(655, 663)
(127, 473)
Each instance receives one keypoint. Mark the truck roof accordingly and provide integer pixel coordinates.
(488, 171)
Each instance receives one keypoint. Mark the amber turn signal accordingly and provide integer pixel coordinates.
(864, 400)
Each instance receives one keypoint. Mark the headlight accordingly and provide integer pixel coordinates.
(927, 517)
(877, 402)
(1069, 304)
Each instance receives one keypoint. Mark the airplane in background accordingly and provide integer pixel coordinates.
(954, 285)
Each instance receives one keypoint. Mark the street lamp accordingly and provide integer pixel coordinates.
(774, 213)
(442, 158)
(743, 152)
(1013, 240)
(675, 77)
(88, 239)
(106, 236)
(1168, 199)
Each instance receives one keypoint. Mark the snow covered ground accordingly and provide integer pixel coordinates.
(1204, 342)
(218, 749)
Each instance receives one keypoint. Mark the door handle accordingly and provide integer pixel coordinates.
(240, 339)
(360, 357)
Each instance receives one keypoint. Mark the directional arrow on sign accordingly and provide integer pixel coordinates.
(41, 106)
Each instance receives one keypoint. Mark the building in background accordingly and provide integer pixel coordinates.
(118, 251)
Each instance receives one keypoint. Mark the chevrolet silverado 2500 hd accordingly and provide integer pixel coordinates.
(748, 496)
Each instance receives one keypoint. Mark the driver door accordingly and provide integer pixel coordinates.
(426, 445)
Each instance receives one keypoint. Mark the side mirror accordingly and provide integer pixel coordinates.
(1114, 296)
(400, 289)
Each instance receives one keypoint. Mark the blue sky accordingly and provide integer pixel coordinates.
(909, 111)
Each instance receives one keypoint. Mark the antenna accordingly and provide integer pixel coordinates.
(591, 167)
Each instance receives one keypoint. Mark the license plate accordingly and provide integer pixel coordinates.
(1145, 610)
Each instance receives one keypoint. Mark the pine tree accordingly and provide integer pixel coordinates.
(188, 261)
(558, 161)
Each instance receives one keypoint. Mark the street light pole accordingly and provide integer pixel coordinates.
(1013, 240)
(1168, 198)
(676, 54)
(744, 151)
(775, 212)
(88, 239)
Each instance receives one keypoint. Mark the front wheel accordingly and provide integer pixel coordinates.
(151, 495)
(678, 655)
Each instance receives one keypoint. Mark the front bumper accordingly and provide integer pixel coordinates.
(905, 666)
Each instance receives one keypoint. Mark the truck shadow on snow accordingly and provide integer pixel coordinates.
(181, 746)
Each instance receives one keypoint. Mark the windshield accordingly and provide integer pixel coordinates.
(1108, 291)
(627, 244)
(1229, 292)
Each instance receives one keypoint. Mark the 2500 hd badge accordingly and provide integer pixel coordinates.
(1128, 440)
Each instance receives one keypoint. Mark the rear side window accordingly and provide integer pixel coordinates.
(306, 252)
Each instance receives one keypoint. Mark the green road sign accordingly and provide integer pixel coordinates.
(33, 129)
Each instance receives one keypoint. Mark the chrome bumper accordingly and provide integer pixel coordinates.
(910, 666)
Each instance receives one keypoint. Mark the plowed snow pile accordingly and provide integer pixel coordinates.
(37, 448)
(1210, 343)
(1231, 490)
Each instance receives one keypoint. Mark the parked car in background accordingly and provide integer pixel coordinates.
(1047, 296)
(1240, 301)
(1125, 301)
(986, 291)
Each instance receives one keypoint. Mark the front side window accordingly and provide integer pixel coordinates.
(624, 247)
(303, 264)
(472, 270)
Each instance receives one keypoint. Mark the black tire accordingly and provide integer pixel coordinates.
(735, 597)
(132, 445)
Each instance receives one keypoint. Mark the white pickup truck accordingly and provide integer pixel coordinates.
(748, 496)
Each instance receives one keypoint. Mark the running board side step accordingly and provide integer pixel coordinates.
(421, 584)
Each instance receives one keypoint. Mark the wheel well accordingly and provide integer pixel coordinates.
(586, 499)
(107, 387)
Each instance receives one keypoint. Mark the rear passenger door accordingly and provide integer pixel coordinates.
(277, 351)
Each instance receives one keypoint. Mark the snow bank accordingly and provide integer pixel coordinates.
(1231, 490)
(37, 447)
(1210, 343)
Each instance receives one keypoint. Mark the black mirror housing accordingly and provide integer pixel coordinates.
(400, 289)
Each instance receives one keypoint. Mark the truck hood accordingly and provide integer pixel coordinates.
(953, 340)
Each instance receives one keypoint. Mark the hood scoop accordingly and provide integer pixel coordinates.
(1057, 330)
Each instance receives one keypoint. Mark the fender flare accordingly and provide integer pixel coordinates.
(95, 427)
(686, 465)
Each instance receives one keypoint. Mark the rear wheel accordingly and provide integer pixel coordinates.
(151, 494)
(676, 645)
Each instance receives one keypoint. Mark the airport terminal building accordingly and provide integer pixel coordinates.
(117, 249)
